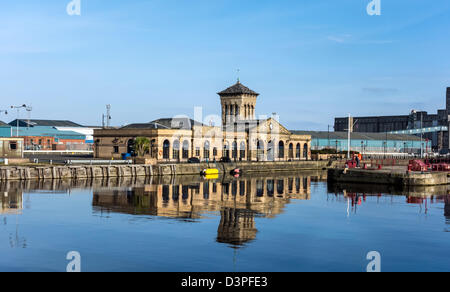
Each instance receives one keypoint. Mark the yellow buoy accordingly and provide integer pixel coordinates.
(210, 171)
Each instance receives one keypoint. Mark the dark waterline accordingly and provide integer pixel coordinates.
(291, 222)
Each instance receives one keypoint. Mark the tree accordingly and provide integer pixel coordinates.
(141, 146)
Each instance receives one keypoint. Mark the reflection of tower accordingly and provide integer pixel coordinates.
(237, 226)
(11, 202)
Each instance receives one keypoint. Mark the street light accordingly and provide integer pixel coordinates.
(18, 107)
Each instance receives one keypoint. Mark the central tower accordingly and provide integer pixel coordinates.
(238, 104)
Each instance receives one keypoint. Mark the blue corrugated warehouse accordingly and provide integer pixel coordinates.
(5, 130)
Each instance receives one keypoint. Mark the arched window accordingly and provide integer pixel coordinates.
(226, 150)
(270, 151)
(298, 151)
(166, 149)
(291, 151)
(206, 150)
(176, 150)
(242, 151)
(260, 150)
(226, 110)
(281, 150)
(235, 150)
(185, 149)
(305, 151)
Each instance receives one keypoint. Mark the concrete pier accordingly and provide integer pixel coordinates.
(387, 177)
(112, 171)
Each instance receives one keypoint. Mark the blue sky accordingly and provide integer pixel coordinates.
(311, 60)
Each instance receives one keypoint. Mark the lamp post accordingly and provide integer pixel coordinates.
(18, 107)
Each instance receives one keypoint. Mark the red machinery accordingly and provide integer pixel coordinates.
(417, 165)
(351, 163)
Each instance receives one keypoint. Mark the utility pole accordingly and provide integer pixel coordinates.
(108, 115)
(18, 108)
(349, 137)
(421, 134)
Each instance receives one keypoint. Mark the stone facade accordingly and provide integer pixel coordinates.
(240, 138)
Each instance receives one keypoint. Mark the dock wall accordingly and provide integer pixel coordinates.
(387, 177)
(112, 171)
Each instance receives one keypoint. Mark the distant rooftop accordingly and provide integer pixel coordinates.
(357, 136)
(166, 123)
(44, 123)
(237, 89)
(2, 124)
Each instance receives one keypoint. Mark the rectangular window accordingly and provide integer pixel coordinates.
(116, 149)
(12, 146)
(197, 151)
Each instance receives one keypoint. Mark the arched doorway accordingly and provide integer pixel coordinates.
(166, 149)
(305, 151)
(291, 151)
(234, 153)
(298, 151)
(206, 151)
(270, 151)
(176, 150)
(281, 150)
(130, 147)
(242, 151)
(185, 153)
(226, 150)
(260, 150)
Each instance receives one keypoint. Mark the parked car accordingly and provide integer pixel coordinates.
(225, 160)
(193, 160)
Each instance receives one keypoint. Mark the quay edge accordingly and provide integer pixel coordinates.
(110, 171)
(387, 177)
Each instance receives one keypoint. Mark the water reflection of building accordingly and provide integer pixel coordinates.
(237, 226)
(11, 202)
(237, 200)
(423, 196)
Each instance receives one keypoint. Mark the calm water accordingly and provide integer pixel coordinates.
(292, 222)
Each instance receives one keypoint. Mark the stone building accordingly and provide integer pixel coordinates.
(241, 137)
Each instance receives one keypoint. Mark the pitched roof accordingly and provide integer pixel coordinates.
(45, 123)
(237, 89)
(167, 123)
(2, 124)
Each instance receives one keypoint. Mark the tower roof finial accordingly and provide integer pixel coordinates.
(238, 79)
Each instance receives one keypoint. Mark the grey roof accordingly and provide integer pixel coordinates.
(237, 89)
(44, 123)
(167, 123)
(357, 136)
(2, 124)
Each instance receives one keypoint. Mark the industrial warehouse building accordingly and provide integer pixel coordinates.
(49, 134)
(240, 137)
(433, 127)
(367, 143)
